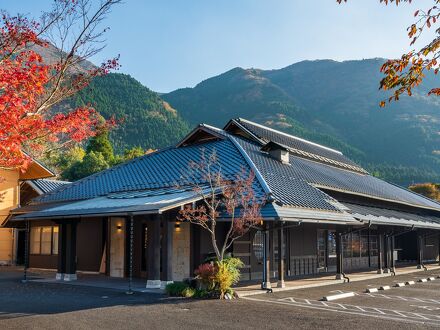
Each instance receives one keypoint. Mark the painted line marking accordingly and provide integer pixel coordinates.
(399, 298)
(354, 309)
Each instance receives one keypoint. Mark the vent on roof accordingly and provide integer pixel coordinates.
(277, 151)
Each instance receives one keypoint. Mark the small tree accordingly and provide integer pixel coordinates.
(222, 197)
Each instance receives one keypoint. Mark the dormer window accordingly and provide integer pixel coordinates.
(277, 151)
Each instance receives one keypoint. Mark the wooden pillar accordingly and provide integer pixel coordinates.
(153, 281)
(167, 252)
(326, 250)
(266, 260)
(339, 257)
(70, 254)
(61, 267)
(379, 253)
(288, 247)
(281, 256)
(26, 250)
(419, 251)
(386, 254)
(392, 247)
(369, 247)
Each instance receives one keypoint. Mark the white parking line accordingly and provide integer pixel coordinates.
(382, 313)
(401, 298)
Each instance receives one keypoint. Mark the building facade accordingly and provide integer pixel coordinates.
(324, 214)
(11, 196)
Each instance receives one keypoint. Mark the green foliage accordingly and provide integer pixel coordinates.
(332, 103)
(133, 153)
(430, 190)
(100, 143)
(180, 289)
(99, 156)
(91, 163)
(147, 121)
(175, 289)
(227, 274)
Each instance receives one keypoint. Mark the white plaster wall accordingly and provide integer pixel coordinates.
(117, 247)
(181, 252)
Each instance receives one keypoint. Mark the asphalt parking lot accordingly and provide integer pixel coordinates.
(412, 304)
(36, 305)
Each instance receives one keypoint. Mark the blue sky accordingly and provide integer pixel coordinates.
(169, 44)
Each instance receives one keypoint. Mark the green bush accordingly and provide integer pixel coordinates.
(188, 292)
(228, 274)
(176, 289)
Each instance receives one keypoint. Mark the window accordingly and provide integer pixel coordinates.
(258, 246)
(44, 240)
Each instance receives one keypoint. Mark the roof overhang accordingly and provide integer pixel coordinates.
(36, 170)
(106, 206)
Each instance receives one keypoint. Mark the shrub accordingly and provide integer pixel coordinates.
(206, 274)
(202, 293)
(188, 292)
(228, 274)
(176, 289)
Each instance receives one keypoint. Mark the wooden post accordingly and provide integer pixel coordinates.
(369, 247)
(281, 256)
(419, 251)
(326, 250)
(386, 254)
(167, 252)
(392, 260)
(379, 253)
(26, 251)
(339, 257)
(288, 247)
(266, 256)
(70, 254)
(61, 268)
(153, 281)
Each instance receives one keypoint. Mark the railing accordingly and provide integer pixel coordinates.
(303, 265)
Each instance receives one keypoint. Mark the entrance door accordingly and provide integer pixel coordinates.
(117, 247)
(326, 250)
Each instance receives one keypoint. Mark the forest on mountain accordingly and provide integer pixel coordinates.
(143, 119)
(332, 103)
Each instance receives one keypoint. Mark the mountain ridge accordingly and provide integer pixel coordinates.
(335, 103)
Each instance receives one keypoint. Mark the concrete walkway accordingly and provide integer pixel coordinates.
(139, 285)
(93, 280)
(316, 281)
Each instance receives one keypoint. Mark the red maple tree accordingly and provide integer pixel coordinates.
(228, 198)
(30, 86)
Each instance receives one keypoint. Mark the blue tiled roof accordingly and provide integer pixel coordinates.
(303, 147)
(322, 175)
(46, 185)
(298, 184)
(161, 169)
